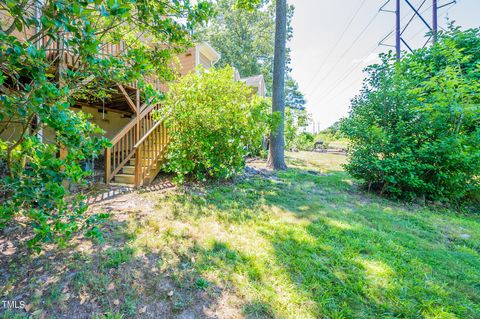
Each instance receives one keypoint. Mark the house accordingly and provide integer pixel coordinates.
(202, 54)
(138, 141)
(257, 83)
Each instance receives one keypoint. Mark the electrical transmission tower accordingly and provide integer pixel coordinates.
(417, 12)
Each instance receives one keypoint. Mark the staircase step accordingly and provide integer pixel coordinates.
(129, 169)
(132, 163)
(124, 178)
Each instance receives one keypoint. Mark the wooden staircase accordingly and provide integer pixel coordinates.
(138, 150)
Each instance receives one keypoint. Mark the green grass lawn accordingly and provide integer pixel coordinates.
(304, 244)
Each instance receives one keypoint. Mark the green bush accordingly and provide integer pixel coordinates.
(415, 127)
(214, 123)
(303, 141)
(296, 120)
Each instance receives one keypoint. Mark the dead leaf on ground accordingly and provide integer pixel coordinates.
(83, 297)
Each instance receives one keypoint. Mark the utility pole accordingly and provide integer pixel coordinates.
(399, 31)
(435, 20)
(398, 34)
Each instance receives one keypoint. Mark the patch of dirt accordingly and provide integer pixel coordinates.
(88, 278)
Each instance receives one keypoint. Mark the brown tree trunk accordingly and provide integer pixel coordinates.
(276, 156)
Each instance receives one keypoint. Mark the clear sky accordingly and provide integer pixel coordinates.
(328, 66)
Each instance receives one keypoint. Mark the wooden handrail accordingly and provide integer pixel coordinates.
(125, 144)
(124, 130)
(131, 124)
(140, 142)
(150, 152)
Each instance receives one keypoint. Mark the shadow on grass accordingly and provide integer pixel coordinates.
(101, 281)
(354, 255)
(331, 252)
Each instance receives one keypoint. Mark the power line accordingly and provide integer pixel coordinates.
(338, 84)
(336, 44)
(334, 87)
(340, 87)
(349, 48)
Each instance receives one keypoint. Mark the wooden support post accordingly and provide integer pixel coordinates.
(63, 152)
(108, 163)
(138, 167)
(61, 63)
(63, 155)
(130, 103)
(138, 160)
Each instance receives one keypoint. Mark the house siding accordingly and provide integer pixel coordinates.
(6, 20)
(206, 62)
(187, 61)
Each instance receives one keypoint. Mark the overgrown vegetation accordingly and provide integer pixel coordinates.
(38, 91)
(415, 127)
(214, 122)
(297, 118)
(227, 33)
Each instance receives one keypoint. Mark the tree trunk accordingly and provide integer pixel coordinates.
(276, 157)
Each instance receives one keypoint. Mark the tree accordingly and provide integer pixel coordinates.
(276, 158)
(38, 91)
(414, 129)
(245, 38)
(294, 98)
(296, 121)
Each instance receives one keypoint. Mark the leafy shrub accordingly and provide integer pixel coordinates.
(303, 141)
(214, 123)
(34, 180)
(415, 127)
(296, 120)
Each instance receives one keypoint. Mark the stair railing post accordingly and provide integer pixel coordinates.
(138, 159)
(108, 163)
(138, 167)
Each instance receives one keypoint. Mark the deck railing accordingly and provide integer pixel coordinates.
(59, 47)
